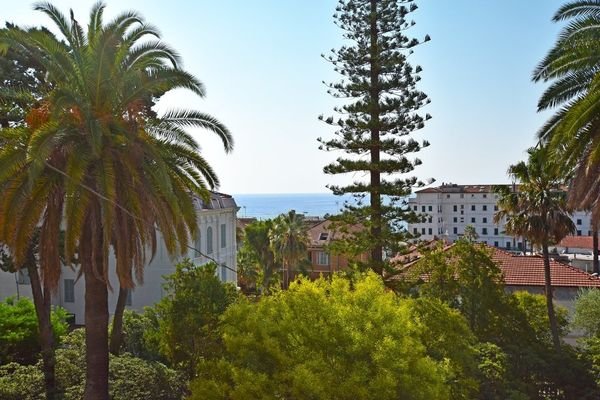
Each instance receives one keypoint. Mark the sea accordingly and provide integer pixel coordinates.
(264, 206)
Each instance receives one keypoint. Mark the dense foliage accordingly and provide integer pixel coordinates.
(19, 334)
(515, 350)
(333, 339)
(130, 378)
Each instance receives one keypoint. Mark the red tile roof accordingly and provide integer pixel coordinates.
(578, 242)
(529, 271)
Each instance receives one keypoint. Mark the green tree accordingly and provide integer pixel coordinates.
(332, 339)
(289, 241)
(256, 254)
(380, 112)
(102, 161)
(538, 212)
(23, 83)
(19, 332)
(587, 312)
(470, 233)
(571, 133)
(131, 378)
(188, 316)
(466, 278)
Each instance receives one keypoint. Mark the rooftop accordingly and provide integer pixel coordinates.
(528, 270)
(217, 201)
(578, 242)
(455, 188)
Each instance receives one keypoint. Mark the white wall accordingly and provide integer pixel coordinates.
(151, 290)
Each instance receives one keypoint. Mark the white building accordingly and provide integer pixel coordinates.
(217, 239)
(449, 208)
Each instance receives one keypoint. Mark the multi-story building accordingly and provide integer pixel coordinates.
(217, 240)
(449, 208)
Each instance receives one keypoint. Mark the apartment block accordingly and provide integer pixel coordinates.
(449, 208)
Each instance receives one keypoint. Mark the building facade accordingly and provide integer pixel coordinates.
(217, 240)
(449, 208)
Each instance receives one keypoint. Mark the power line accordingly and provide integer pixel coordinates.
(125, 210)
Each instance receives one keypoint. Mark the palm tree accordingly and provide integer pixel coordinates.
(537, 210)
(260, 255)
(289, 241)
(98, 162)
(572, 134)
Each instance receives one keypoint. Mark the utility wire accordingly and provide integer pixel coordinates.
(126, 211)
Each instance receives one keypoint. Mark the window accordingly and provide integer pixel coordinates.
(325, 235)
(430, 208)
(69, 291)
(462, 220)
(508, 245)
(495, 231)
(496, 244)
(223, 235)
(455, 208)
(415, 231)
(473, 207)
(485, 197)
(322, 258)
(520, 245)
(415, 208)
(129, 298)
(209, 240)
(578, 233)
(484, 231)
(462, 212)
(473, 220)
(430, 231)
(23, 277)
(422, 231)
(430, 219)
(223, 274)
(484, 207)
(495, 208)
(455, 230)
(484, 220)
(423, 208)
(462, 206)
(455, 220)
(578, 222)
(447, 196)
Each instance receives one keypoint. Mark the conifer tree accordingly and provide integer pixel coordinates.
(380, 111)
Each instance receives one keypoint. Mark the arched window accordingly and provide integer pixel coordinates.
(209, 240)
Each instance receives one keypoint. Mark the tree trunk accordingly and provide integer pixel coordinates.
(42, 303)
(595, 251)
(549, 303)
(96, 313)
(375, 173)
(116, 336)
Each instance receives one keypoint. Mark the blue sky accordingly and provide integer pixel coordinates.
(261, 64)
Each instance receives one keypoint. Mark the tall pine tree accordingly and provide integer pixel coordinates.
(381, 110)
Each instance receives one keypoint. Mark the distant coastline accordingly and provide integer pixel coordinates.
(270, 205)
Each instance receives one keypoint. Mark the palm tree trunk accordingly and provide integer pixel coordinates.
(42, 303)
(596, 263)
(96, 314)
(116, 336)
(549, 303)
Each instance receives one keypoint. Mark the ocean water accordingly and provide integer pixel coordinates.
(265, 206)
